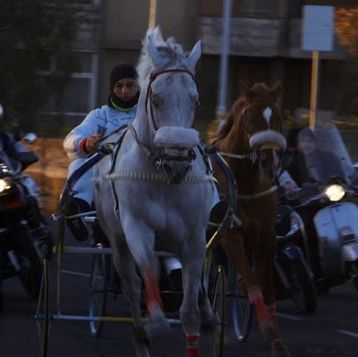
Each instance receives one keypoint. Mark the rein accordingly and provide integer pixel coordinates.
(254, 196)
(159, 158)
(259, 195)
(252, 156)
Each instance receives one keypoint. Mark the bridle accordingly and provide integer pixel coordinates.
(152, 78)
(254, 104)
(253, 154)
(162, 157)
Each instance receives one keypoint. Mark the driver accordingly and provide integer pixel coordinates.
(82, 141)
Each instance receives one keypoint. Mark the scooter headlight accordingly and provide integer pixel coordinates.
(5, 184)
(335, 192)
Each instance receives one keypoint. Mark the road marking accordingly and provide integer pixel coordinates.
(75, 273)
(290, 317)
(348, 333)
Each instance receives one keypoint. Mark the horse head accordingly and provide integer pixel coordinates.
(261, 124)
(169, 96)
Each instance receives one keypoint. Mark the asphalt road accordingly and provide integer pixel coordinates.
(331, 331)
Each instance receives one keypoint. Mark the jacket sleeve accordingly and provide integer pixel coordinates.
(88, 127)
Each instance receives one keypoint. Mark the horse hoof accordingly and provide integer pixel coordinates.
(209, 325)
(208, 320)
(140, 336)
(279, 349)
(141, 342)
(141, 350)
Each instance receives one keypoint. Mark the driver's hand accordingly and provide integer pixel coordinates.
(92, 144)
(290, 187)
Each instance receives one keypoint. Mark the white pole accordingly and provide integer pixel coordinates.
(224, 60)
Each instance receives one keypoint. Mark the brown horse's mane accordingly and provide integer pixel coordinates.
(259, 92)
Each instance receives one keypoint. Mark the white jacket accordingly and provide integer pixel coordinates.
(104, 120)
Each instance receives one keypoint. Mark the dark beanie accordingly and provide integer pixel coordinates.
(119, 72)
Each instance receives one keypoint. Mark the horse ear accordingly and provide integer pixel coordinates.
(243, 87)
(277, 89)
(155, 47)
(194, 55)
(152, 49)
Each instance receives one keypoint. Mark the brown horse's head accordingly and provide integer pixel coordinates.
(254, 123)
(262, 124)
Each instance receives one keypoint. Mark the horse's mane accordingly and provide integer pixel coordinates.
(259, 92)
(218, 130)
(170, 53)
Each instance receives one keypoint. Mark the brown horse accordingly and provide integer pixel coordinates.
(250, 141)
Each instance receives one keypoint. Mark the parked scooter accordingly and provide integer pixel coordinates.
(326, 206)
(19, 251)
(294, 279)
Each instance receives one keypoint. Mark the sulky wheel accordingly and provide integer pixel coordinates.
(217, 295)
(98, 292)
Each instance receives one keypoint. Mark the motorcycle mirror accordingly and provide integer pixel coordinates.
(30, 138)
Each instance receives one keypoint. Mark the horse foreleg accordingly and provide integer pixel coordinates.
(189, 309)
(208, 318)
(233, 246)
(132, 289)
(130, 280)
(266, 257)
(153, 299)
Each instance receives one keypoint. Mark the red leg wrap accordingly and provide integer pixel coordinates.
(257, 300)
(152, 294)
(192, 346)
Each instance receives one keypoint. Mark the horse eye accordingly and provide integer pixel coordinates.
(157, 100)
(251, 127)
(195, 99)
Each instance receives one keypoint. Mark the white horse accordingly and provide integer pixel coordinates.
(155, 193)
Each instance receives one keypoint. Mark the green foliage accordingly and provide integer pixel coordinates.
(32, 34)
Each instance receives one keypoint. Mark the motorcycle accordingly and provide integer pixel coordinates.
(19, 253)
(293, 276)
(327, 206)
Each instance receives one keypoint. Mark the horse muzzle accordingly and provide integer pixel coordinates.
(175, 151)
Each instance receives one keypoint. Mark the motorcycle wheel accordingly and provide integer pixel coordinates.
(355, 282)
(303, 291)
(354, 271)
(31, 267)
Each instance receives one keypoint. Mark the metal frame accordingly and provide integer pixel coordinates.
(60, 249)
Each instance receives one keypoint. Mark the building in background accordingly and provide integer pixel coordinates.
(265, 46)
(81, 93)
